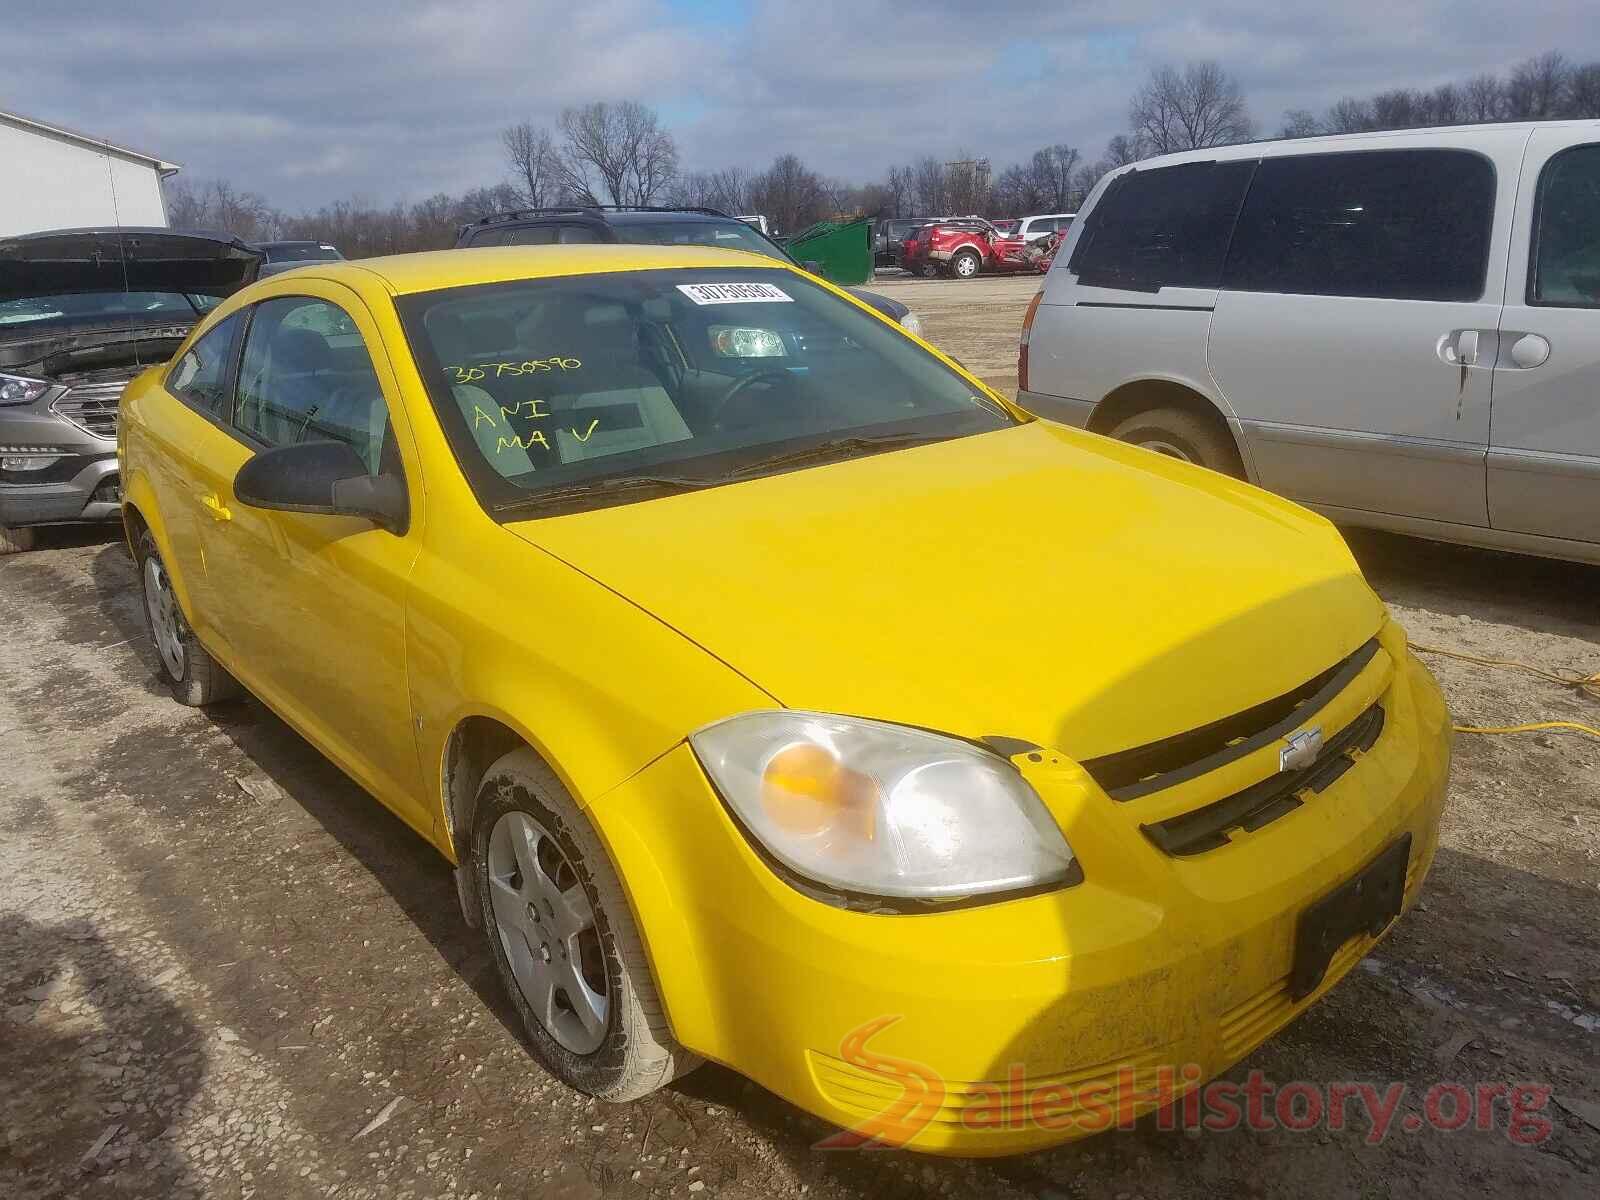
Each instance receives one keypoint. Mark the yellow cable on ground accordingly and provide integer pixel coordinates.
(1566, 677)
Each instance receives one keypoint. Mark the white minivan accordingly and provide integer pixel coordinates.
(1399, 329)
(1033, 228)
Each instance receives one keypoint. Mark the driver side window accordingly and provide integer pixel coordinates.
(306, 376)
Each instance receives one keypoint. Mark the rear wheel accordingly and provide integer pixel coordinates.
(966, 264)
(15, 541)
(190, 673)
(1184, 435)
(564, 939)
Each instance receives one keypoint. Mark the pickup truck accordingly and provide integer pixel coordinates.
(964, 247)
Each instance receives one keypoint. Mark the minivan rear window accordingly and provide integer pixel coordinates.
(1163, 227)
(1385, 224)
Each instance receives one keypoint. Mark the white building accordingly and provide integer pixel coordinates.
(54, 178)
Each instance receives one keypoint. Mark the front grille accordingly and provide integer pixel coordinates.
(93, 407)
(1129, 774)
(1208, 828)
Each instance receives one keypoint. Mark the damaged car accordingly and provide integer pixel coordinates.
(82, 311)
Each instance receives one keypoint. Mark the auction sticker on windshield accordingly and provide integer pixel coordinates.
(735, 293)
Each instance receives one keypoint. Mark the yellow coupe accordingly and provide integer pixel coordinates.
(782, 694)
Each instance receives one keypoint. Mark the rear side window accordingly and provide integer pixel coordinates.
(1165, 227)
(1566, 251)
(200, 377)
(1385, 224)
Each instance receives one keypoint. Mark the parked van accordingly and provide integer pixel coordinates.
(1399, 329)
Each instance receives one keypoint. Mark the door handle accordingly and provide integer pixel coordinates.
(216, 508)
(1459, 349)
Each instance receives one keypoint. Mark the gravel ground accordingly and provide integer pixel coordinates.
(224, 971)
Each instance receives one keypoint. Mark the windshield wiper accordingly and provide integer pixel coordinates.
(606, 487)
(834, 448)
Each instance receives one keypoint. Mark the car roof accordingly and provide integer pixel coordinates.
(405, 274)
(1337, 142)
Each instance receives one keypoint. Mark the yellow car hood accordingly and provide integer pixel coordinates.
(1035, 582)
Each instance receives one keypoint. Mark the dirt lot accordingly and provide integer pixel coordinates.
(220, 962)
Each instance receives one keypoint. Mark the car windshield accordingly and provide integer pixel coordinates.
(301, 252)
(93, 308)
(587, 390)
(730, 235)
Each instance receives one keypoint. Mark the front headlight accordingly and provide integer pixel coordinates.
(911, 324)
(883, 810)
(19, 389)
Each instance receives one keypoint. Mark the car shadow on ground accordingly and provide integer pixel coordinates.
(1542, 595)
(80, 1028)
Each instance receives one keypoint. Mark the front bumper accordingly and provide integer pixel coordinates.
(91, 494)
(1078, 1000)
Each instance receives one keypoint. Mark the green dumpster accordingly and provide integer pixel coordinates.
(842, 252)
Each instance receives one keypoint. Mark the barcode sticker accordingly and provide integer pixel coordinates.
(735, 293)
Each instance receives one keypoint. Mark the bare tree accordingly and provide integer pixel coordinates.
(1053, 169)
(1299, 123)
(928, 183)
(1191, 109)
(1398, 108)
(1583, 91)
(1447, 105)
(535, 165)
(616, 150)
(1483, 98)
(966, 183)
(790, 194)
(902, 188)
(1350, 115)
(1537, 89)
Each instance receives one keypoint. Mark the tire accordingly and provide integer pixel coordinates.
(966, 265)
(192, 676)
(15, 541)
(930, 270)
(1181, 434)
(533, 850)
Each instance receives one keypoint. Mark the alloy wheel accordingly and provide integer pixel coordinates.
(1161, 446)
(162, 606)
(547, 929)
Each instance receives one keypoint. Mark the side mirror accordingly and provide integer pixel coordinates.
(322, 477)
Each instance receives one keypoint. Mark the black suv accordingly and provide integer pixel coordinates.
(889, 235)
(650, 226)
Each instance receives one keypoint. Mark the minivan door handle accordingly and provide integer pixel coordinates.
(1459, 349)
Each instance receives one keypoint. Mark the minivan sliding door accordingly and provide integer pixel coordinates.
(1354, 335)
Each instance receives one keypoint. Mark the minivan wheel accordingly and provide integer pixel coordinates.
(15, 541)
(564, 940)
(190, 673)
(1183, 435)
(966, 264)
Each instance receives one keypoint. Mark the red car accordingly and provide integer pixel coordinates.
(963, 247)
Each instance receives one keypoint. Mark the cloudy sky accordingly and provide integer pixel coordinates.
(307, 102)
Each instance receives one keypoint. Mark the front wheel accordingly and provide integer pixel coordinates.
(564, 939)
(930, 270)
(189, 671)
(966, 264)
(15, 541)
(1186, 436)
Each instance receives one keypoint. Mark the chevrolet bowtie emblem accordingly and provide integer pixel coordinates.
(1300, 749)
